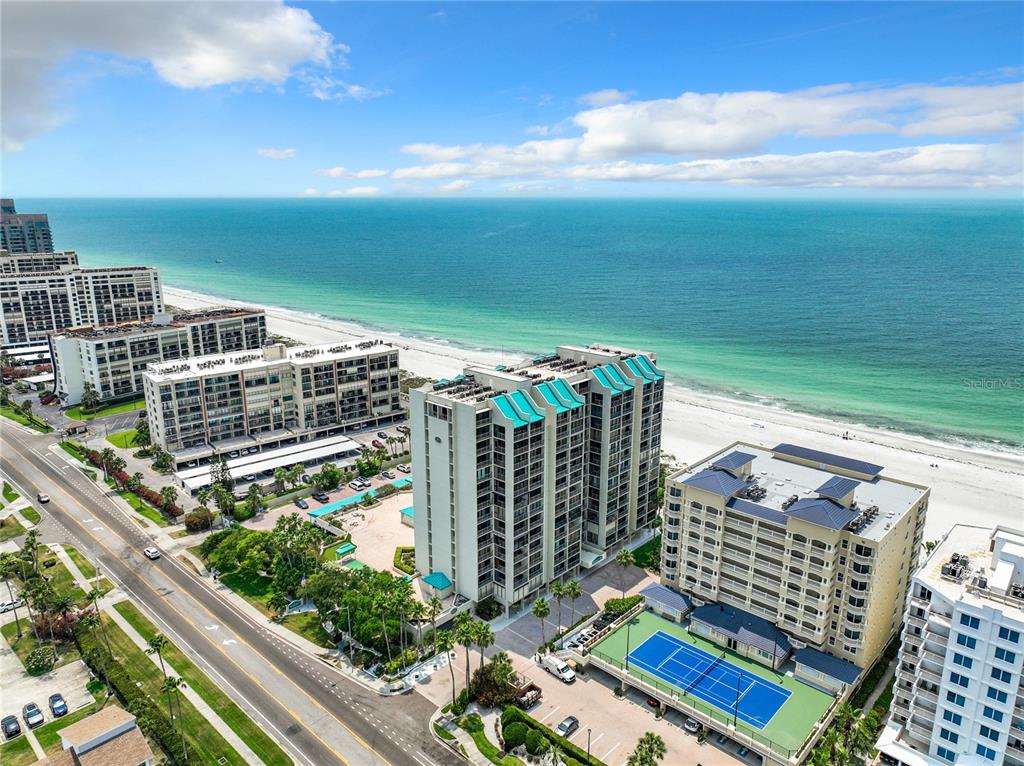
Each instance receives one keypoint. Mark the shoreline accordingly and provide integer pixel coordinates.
(988, 484)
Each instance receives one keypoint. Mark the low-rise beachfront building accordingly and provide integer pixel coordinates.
(820, 545)
(31, 263)
(525, 474)
(274, 397)
(958, 695)
(24, 232)
(112, 358)
(110, 737)
(34, 304)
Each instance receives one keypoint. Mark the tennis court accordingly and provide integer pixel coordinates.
(711, 678)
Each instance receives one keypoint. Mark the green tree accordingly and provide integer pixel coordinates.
(848, 741)
(625, 560)
(419, 612)
(294, 474)
(89, 622)
(558, 593)
(172, 687)
(106, 460)
(135, 481)
(573, 591)
(649, 750)
(541, 609)
(254, 502)
(280, 477)
(157, 645)
(483, 638)
(5, 393)
(162, 461)
(444, 642)
(142, 436)
(168, 496)
(10, 568)
(465, 634)
(90, 397)
(434, 608)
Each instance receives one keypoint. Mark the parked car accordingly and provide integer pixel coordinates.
(10, 726)
(320, 496)
(43, 498)
(356, 485)
(8, 606)
(233, 454)
(58, 706)
(404, 467)
(388, 474)
(306, 479)
(691, 725)
(568, 726)
(402, 429)
(151, 553)
(192, 464)
(377, 443)
(301, 503)
(32, 715)
(249, 477)
(382, 434)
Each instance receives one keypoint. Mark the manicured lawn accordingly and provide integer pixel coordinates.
(209, 745)
(17, 752)
(254, 589)
(648, 554)
(60, 578)
(253, 736)
(88, 570)
(17, 416)
(123, 439)
(31, 514)
(22, 646)
(77, 413)
(10, 528)
(472, 724)
(307, 625)
(329, 552)
(74, 450)
(789, 727)
(9, 494)
(142, 508)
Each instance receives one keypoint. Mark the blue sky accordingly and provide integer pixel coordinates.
(153, 99)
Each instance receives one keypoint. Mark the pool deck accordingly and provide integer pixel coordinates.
(788, 728)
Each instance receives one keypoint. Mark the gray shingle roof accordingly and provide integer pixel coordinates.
(668, 597)
(827, 458)
(837, 487)
(718, 482)
(823, 512)
(743, 626)
(831, 666)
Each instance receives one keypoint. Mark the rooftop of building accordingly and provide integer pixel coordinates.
(184, 319)
(978, 565)
(73, 270)
(90, 727)
(48, 254)
(275, 353)
(568, 363)
(768, 484)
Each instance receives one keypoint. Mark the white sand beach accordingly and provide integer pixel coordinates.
(973, 486)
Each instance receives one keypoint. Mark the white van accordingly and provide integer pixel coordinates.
(558, 668)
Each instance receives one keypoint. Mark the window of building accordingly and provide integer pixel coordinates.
(1001, 675)
(945, 754)
(986, 752)
(996, 694)
(967, 641)
(959, 680)
(956, 699)
(954, 718)
(989, 733)
(962, 661)
(1005, 655)
(1012, 636)
(992, 714)
(949, 736)
(971, 622)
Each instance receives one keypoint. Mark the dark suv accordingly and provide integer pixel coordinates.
(10, 726)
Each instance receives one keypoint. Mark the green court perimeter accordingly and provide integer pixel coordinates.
(785, 732)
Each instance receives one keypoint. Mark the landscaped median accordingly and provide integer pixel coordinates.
(252, 735)
(80, 413)
(19, 416)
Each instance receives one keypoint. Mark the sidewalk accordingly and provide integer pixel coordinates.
(198, 702)
(83, 582)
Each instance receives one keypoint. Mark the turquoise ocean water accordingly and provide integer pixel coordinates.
(893, 313)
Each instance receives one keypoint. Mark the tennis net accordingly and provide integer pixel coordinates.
(701, 677)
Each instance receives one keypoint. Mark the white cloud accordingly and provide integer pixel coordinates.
(605, 97)
(458, 185)
(356, 191)
(276, 154)
(188, 44)
(327, 88)
(340, 172)
(311, 191)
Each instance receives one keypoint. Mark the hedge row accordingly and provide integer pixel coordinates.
(401, 565)
(142, 492)
(511, 714)
(150, 716)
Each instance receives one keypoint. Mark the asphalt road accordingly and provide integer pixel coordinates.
(316, 713)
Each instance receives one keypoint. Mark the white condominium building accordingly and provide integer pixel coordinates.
(522, 475)
(958, 696)
(270, 397)
(112, 358)
(819, 544)
(29, 263)
(32, 305)
(23, 232)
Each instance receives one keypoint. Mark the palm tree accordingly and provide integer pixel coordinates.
(202, 494)
(136, 480)
(444, 642)
(9, 569)
(280, 477)
(5, 393)
(465, 634)
(168, 495)
(418, 612)
(90, 622)
(106, 458)
(294, 474)
(62, 604)
(625, 560)
(157, 645)
(90, 397)
(94, 597)
(172, 686)
(573, 591)
(484, 638)
(381, 603)
(434, 608)
(30, 550)
(541, 609)
(558, 593)
(649, 750)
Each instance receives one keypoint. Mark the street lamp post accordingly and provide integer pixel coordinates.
(588, 746)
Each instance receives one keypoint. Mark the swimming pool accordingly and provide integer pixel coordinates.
(337, 505)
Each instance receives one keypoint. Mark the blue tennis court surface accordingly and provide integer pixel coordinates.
(711, 678)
